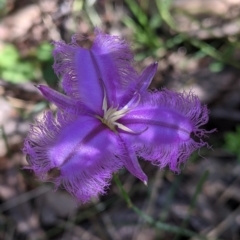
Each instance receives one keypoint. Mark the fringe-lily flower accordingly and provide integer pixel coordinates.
(107, 118)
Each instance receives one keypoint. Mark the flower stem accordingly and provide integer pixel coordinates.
(150, 220)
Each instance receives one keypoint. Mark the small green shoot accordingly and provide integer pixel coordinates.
(232, 142)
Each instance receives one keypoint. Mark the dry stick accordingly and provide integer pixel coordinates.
(23, 198)
(51, 27)
(98, 224)
(223, 197)
(50, 24)
(106, 220)
(154, 191)
(151, 221)
(222, 226)
(19, 103)
(79, 231)
(111, 229)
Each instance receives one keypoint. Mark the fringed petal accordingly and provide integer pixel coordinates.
(81, 149)
(89, 164)
(109, 59)
(170, 119)
(140, 86)
(42, 135)
(130, 161)
(114, 59)
(80, 75)
(146, 77)
(64, 102)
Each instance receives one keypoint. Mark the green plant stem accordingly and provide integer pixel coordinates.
(157, 224)
(4, 136)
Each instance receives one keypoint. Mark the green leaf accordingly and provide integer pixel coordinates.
(216, 67)
(232, 142)
(44, 52)
(19, 73)
(8, 56)
(48, 74)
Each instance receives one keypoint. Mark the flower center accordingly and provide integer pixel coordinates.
(111, 115)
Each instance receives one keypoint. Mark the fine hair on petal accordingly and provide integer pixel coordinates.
(120, 53)
(40, 138)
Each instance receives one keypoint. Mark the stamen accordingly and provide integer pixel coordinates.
(129, 104)
(111, 114)
(104, 105)
(124, 128)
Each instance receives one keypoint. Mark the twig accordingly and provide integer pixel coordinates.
(222, 226)
(23, 198)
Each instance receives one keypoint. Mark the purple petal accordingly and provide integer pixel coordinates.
(63, 102)
(109, 59)
(103, 92)
(80, 75)
(114, 59)
(170, 118)
(40, 138)
(146, 77)
(82, 149)
(130, 161)
(141, 85)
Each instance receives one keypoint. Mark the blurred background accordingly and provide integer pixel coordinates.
(196, 44)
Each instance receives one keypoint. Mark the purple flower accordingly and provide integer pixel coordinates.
(107, 118)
